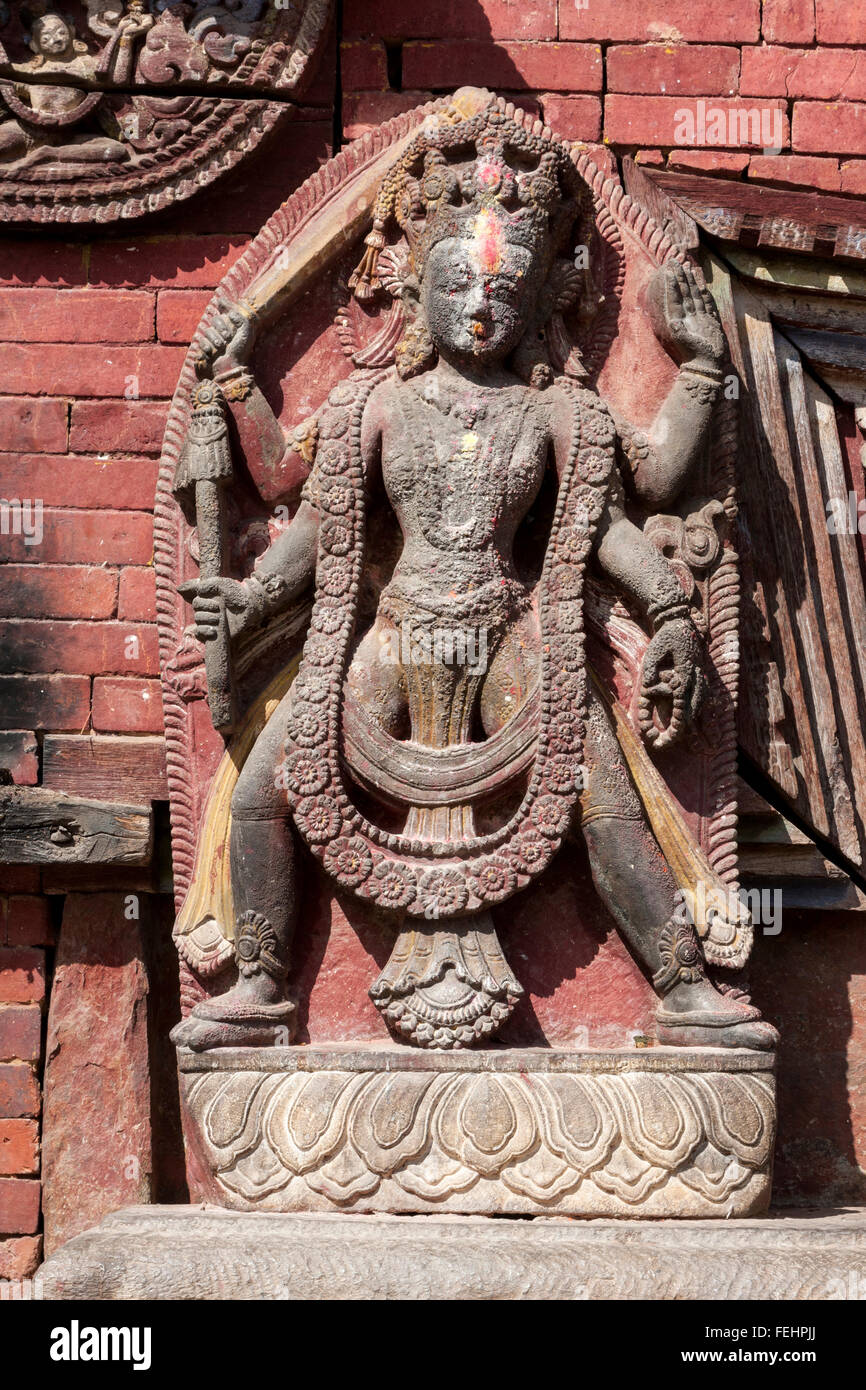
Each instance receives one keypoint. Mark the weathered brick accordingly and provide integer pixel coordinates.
(19, 1206)
(36, 262)
(190, 261)
(840, 21)
(20, 1032)
(727, 163)
(364, 66)
(19, 756)
(75, 316)
(26, 921)
(451, 19)
(818, 73)
(642, 120)
(19, 1090)
(79, 647)
(365, 110)
(45, 702)
(853, 177)
(98, 1066)
(654, 158)
(20, 1257)
(796, 171)
(829, 127)
(58, 591)
(85, 537)
(72, 481)
(788, 21)
(84, 369)
(137, 596)
(22, 977)
(101, 427)
(552, 67)
(125, 705)
(19, 1147)
(572, 118)
(692, 21)
(37, 426)
(178, 313)
(673, 69)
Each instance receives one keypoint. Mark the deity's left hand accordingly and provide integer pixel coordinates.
(672, 683)
(684, 316)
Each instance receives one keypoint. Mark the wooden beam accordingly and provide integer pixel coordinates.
(773, 853)
(820, 277)
(754, 214)
(112, 769)
(38, 826)
(670, 216)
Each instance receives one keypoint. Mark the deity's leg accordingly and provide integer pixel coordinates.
(639, 890)
(264, 874)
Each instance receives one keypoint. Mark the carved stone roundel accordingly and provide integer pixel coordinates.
(115, 108)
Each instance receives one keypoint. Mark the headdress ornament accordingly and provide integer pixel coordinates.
(493, 160)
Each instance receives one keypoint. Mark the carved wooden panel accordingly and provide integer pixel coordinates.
(804, 622)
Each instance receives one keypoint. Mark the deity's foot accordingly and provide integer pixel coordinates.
(240, 1018)
(719, 1020)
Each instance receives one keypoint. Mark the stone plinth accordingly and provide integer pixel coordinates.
(661, 1132)
(189, 1253)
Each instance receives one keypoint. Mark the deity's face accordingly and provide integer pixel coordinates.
(52, 36)
(477, 290)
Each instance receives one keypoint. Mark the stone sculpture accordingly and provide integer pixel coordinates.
(435, 752)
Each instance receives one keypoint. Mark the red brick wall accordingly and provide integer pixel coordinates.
(618, 71)
(92, 337)
(93, 332)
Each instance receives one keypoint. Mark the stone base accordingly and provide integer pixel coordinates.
(656, 1132)
(194, 1253)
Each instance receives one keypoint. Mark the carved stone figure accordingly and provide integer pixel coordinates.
(446, 732)
(49, 113)
(121, 129)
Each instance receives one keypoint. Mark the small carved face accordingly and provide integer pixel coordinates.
(51, 36)
(476, 291)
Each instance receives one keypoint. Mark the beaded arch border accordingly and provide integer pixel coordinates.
(616, 211)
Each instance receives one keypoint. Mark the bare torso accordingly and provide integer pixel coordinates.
(461, 466)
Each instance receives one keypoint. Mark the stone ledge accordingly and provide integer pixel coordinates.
(205, 1253)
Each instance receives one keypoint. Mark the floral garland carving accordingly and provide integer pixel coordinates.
(446, 878)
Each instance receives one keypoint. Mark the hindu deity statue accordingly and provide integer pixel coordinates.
(437, 749)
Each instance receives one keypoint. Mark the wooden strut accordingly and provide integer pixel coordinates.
(39, 826)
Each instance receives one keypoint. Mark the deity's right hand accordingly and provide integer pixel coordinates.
(210, 597)
(229, 340)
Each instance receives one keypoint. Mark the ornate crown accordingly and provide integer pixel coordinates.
(496, 160)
